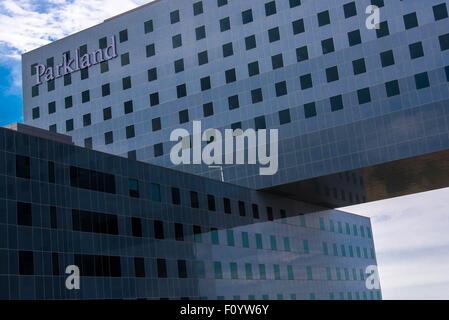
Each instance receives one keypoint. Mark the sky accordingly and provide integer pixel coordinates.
(411, 233)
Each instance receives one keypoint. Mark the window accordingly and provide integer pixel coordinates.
(136, 226)
(152, 74)
(24, 214)
(67, 79)
(211, 203)
(177, 41)
(364, 95)
(298, 26)
(255, 209)
(106, 90)
(228, 50)
(281, 88)
(128, 107)
(446, 69)
(270, 8)
(34, 91)
(52, 128)
(176, 196)
(183, 116)
(387, 58)
(236, 125)
(354, 38)
(302, 54)
(233, 102)
(69, 125)
(323, 18)
(181, 91)
(234, 270)
(150, 50)
(51, 172)
(104, 66)
(227, 205)
(221, 3)
(310, 110)
(250, 42)
(87, 120)
(378, 3)
(383, 30)
(126, 82)
(22, 167)
(208, 109)
(203, 58)
(200, 33)
(328, 46)
(295, 3)
(155, 192)
(416, 50)
(148, 26)
(306, 81)
(26, 263)
(133, 188)
(277, 61)
(260, 123)
(55, 263)
(51, 85)
(256, 95)
(124, 58)
(444, 42)
(182, 269)
(274, 35)
(359, 66)
(85, 96)
(179, 232)
(139, 267)
(197, 8)
(161, 268)
(194, 202)
(336, 103)
(51, 107)
(84, 74)
(156, 124)
(410, 20)
(154, 99)
(158, 230)
(174, 17)
(422, 81)
(350, 9)
(130, 132)
(205, 83)
(218, 270)
(108, 138)
(123, 35)
(253, 68)
(179, 65)
(230, 76)
(332, 74)
(225, 24)
(242, 209)
(440, 11)
(284, 116)
(107, 113)
(247, 16)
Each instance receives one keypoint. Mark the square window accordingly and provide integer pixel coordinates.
(277, 61)
(150, 49)
(284, 116)
(440, 11)
(281, 88)
(183, 116)
(87, 120)
(85, 96)
(225, 24)
(332, 74)
(148, 26)
(416, 50)
(298, 26)
(228, 50)
(250, 42)
(410, 20)
(328, 46)
(36, 113)
(154, 99)
(359, 66)
(177, 41)
(67, 79)
(130, 133)
(230, 76)
(203, 58)
(84, 74)
(387, 58)
(107, 113)
(205, 83)
(26, 263)
(123, 35)
(221, 3)
(324, 18)
(200, 32)
(295, 3)
(51, 85)
(310, 110)
(208, 109)
(34, 91)
(444, 42)
(125, 59)
(274, 35)
(126, 82)
(306, 81)
(383, 30)
(156, 124)
(256, 95)
(179, 65)
(236, 125)
(152, 74)
(378, 3)
(422, 81)
(260, 123)
(69, 125)
(302, 54)
(354, 38)
(197, 8)
(104, 66)
(247, 16)
(128, 107)
(270, 8)
(350, 9)
(392, 88)
(88, 143)
(52, 128)
(174, 17)
(233, 102)
(253, 68)
(336, 103)
(364, 95)
(105, 89)
(68, 101)
(181, 91)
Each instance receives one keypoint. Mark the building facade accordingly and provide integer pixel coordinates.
(138, 230)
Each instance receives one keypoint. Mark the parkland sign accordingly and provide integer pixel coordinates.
(68, 66)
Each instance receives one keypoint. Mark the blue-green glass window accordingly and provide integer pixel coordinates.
(343, 250)
(332, 226)
(349, 295)
(277, 272)
(293, 296)
(362, 231)
(322, 227)
(220, 298)
(309, 273)
(340, 228)
(357, 296)
(155, 192)
(365, 253)
(280, 297)
(251, 297)
(214, 237)
(348, 228)
(200, 270)
(312, 296)
(338, 271)
(273, 242)
(331, 296)
(133, 187)
(287, 244)
(249, 271)
(346, 274)
(230, 236)
(368, 231)
(203, 298)
(356, 233)
(371, 295)
(262, 272)
(291, 276)
(325, 250)
(373, 256)
(218, 270)
(354, 274)
(234, 270)
(306, 246)
(359, 255)
(365, 296)
(302, 220)
(351, 251)
(362, 275)
(236, 297)
(342, 296)
(329, 273)
(245, 240)
(379, 295)
(197, 234)
(259, 244)
(335, 249)
(265, 297)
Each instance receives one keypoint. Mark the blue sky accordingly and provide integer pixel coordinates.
(411, 233)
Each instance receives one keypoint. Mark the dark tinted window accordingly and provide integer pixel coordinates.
(24, 214)
(22, 167)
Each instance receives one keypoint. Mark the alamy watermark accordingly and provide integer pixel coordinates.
(373, 20)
